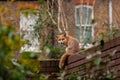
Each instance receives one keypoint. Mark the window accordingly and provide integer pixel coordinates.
(27, 21)
(83, 18)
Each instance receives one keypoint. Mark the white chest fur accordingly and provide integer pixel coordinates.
(66, 49)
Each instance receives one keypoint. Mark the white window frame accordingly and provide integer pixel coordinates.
(29, 30)
(92, 17)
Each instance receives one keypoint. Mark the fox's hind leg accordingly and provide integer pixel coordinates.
(63, 60)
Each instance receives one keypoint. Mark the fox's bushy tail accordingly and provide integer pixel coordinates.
(63, 60)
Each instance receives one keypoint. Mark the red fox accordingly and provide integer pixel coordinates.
(72, 47)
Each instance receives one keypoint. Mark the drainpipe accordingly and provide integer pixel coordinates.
(110, 14)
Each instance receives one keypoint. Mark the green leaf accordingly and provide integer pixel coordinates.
(30, 73)
(18, 66)
(79, 78)
(97, 61)
(26, 55)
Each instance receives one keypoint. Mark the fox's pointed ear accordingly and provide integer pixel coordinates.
(64, 34)
(56, 36)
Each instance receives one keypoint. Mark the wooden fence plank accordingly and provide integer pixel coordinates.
(75, 58)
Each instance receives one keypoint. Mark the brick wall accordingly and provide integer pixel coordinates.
(84, 2)
(116, 11)
(9, 15)
(69, 8)
(101, 15)
(12, 12)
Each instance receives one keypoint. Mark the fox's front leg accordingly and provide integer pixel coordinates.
(63, 60)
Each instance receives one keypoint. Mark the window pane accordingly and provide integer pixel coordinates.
(89, 18)
(78, 33)
(87, 34)
(84, 15)
(86, 29)
(77, 16)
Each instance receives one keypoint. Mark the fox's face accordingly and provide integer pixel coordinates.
(61, 39)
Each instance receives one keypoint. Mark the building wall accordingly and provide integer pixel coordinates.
(69, 10)
(101, 15)
(11, 15)
(116, 12)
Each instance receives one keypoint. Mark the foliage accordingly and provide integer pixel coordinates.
(10, 67)
(9, 43)
(51, 52)
(107, 33)
(29, 62)
(55, 53)
(27, 66)
(73, 76)
(47, 29)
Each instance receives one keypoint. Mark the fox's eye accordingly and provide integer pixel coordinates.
(59, 39)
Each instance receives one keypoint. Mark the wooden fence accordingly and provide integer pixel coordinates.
(50, 67)
(79, 64)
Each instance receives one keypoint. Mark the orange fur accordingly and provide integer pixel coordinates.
(72, 47)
